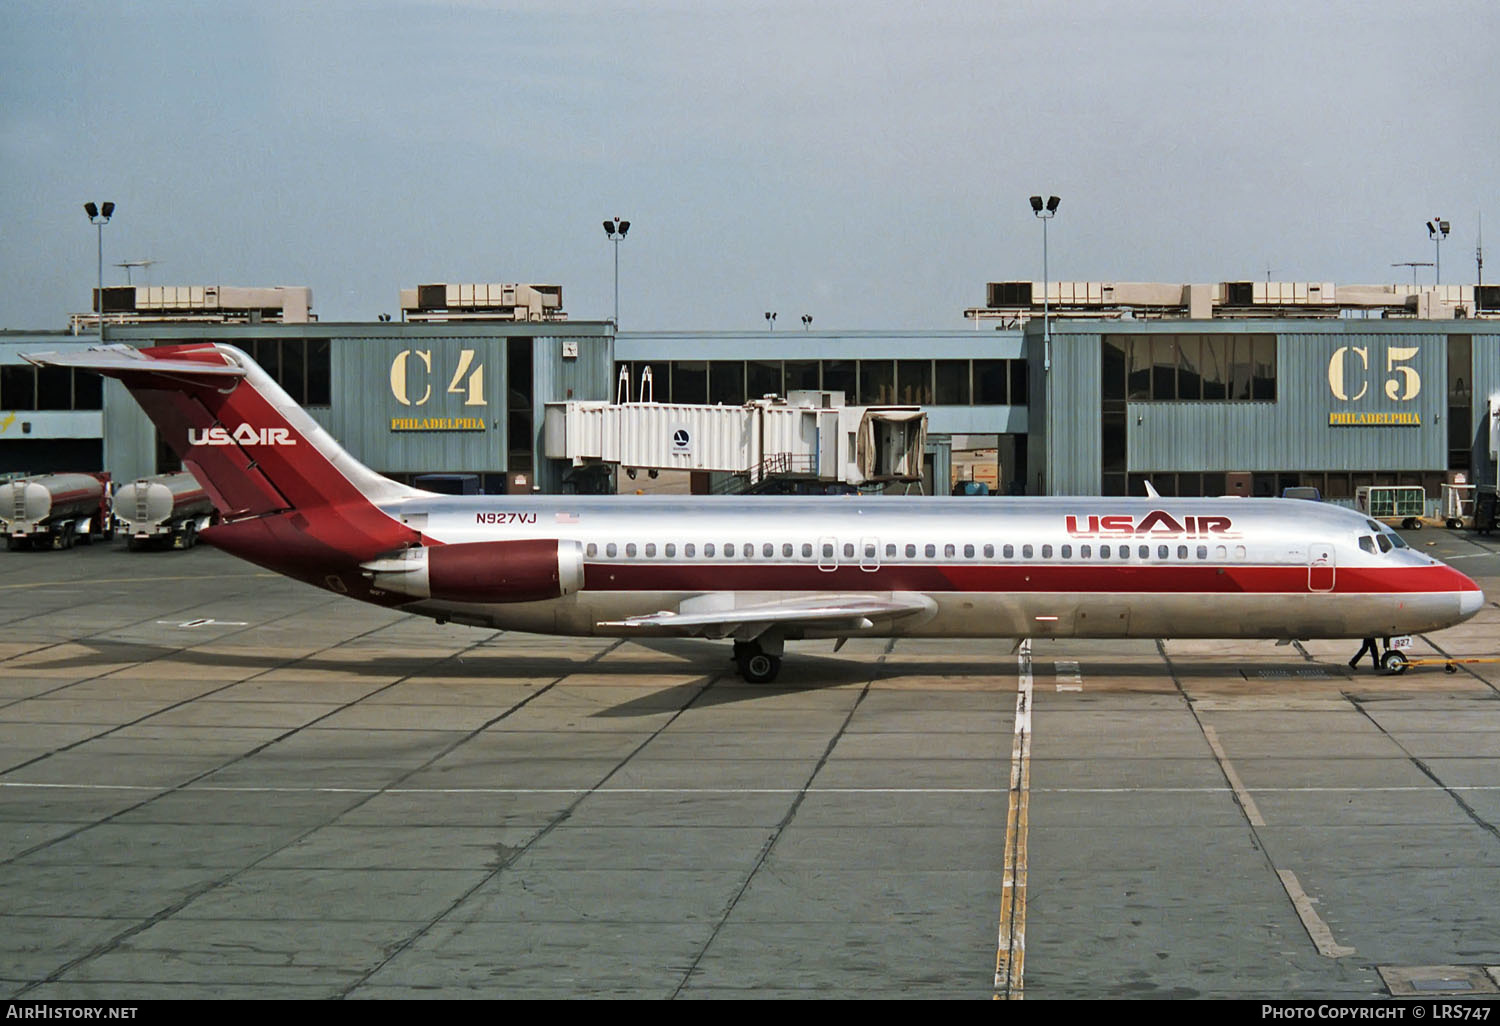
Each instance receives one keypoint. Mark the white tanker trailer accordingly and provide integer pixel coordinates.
(165, 512)
(55, 511)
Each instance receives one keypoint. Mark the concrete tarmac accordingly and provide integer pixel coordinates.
(218, 783)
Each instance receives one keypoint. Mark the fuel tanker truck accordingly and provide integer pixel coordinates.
(55, 511)
(162, 512)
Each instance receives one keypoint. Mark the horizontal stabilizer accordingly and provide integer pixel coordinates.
(120, 361)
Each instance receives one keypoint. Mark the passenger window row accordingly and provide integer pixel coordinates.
(913, 552)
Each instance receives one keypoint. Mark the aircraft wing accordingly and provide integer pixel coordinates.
(748, 621)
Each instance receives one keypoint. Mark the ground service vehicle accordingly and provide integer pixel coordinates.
(55, 511)
(165, 511)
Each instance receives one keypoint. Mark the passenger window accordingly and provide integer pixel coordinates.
(828, 550)
(611, 550)
(1046, 551)
(1221, 553)
(786, 550)
(1084, 552)
(807, 550)
(1010, 552)
(1161, 551)
(911, 552)
(869, 550)
(708, 549)
(1104, 552)
(949, 551)
(1182, 552)
(671, 549)
(650, 550)
(1026, 551)
(729, 548)
(1144, 551)
(768, 550)
(890, 551)
(630, 550)
(968, 552)
(1239, 552)
(1367, 543)
(689, 550)
(930, 551)
(989, 552)
(749, 550)
(1202, 551)
(848, 550)
(593, 549)
(1067, 552)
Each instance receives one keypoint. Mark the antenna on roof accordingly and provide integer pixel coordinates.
(130, 264)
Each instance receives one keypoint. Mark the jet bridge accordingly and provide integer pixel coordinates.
(808, 436)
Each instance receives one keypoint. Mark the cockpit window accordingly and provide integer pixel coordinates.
(1367, 543)
(1384, 542)
(1398, 541)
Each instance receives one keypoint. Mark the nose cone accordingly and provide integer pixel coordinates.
(1470, 602)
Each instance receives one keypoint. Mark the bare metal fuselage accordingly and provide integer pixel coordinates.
(1060, 567)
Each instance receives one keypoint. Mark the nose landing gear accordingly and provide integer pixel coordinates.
(1392, 660)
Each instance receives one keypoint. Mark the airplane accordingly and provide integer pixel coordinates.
(762, 571)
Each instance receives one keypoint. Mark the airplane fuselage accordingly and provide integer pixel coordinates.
(1064, 567)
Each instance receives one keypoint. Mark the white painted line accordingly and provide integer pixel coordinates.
(1010, 955)
(1252, 811)
(1318, 930)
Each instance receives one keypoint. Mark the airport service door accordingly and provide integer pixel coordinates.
(1320, 568)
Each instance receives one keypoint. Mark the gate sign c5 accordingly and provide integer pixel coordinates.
(1349, 373)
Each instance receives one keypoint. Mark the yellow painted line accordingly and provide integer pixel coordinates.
(1318, 930)
(1010, 955)
(1252, 811)
(131, 580)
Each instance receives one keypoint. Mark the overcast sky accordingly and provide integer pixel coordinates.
(866, 163)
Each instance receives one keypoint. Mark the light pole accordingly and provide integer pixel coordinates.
(615, 230)
(1437, 231)
(1046, 214)
(807, 322)
(770, 320)
(1413, 264)
(99, 216)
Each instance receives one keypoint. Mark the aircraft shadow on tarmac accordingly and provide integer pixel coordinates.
(675, 659)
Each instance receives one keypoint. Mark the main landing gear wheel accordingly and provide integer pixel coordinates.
(1393, 662)
(755, 664)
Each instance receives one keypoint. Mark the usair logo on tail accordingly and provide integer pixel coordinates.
(243, 435)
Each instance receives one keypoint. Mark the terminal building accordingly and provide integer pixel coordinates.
(1076, 388)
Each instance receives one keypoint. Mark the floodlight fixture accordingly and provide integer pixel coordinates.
(99, 217)
(1044, 215)
(1437, 231)
(615, 230)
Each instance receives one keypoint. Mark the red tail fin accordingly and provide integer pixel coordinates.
(256, 452)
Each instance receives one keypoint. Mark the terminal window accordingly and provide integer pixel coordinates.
(1191, 367)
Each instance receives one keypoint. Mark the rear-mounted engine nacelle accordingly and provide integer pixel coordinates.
(491, 571)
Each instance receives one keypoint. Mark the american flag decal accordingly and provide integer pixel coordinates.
(567, 518)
